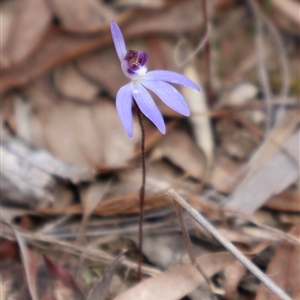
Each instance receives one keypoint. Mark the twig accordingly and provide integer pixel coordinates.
(142, 191)
(200, 46)
(262, 69)
(229, 246)
(282, 55)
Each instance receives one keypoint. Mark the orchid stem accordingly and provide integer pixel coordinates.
(142, 191)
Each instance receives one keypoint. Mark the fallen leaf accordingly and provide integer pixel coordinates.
(82, 135)
(288, 200)
(224, 175)
(59, 46)
(7, 12)
(30, 19)
(179, 148)
(279, 172)
(101, 67)
(84, 16)
(290, 9)
(147, 4)
(71, 84)
(284, 269)
(179, 280)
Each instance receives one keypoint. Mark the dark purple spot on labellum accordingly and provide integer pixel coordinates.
(136, 60)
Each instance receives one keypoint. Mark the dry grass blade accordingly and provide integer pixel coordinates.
(188, 244)
(97, 255)
(178, 281)
(229, 246)
(100, 291)
(28, 263)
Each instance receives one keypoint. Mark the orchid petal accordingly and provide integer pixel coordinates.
(171, 77)
(124, 105)
(169, 95)
(118, 40)
(148, 106)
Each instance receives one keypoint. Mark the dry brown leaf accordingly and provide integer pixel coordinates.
(289, 8)
(288, 200)
(86, 135)
(55, 116)
(122, 196)
(30, 19)
(223, 176)
(179, 148)
(148, 4)
(7, 12)
(83, 16)
(59, 47)
(233, 274)
(279, 172)
(284, 269)
(117, 147)
(236, 142)
(71, 84)
(275, 140)
(101, 67)
(178, 281)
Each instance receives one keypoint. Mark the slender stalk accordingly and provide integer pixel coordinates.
(208, 87)
(142, 191)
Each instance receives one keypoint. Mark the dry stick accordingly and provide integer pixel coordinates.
(229, 246)
(201, 44)
(188, 244)
(282, 55)
(142, 191)
(263, 73)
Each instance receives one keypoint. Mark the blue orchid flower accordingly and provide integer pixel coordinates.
(133, 65)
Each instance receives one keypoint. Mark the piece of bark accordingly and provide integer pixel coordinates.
(28, 174)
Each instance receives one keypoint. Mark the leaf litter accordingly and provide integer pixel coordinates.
(70, 175)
